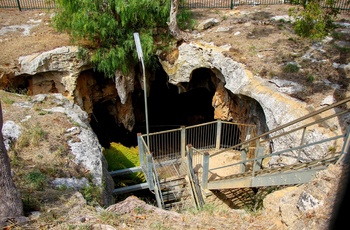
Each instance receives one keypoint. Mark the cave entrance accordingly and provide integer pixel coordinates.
(187, 103)
(169, 107)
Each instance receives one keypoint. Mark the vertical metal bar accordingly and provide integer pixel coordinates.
(191, 178)
(19, 5)
(257, 163)
(243, 158)
(205, 175)
(255, 156)
(150, 172)
(344, 154)
(157, 193)
(140, 56)
(141, 149)
(218, 134)
(301, 143)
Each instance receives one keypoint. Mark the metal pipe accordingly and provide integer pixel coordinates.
(140, 55)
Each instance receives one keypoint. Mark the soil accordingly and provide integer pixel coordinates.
(262, 45)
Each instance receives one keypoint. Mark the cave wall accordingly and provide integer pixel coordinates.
(236, 95)
(278, 108)
(199, 97)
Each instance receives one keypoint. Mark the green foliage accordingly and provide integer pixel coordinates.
(107, 28)
(120, 157)
(291, 68)
(314, 21)
(310, 78)
(7, 100)
(91, 194)
(36, 180)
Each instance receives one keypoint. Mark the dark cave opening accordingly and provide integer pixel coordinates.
(172, 106)
(169, 107)
(108, 130)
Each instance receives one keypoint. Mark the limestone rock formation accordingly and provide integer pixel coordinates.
(55, 71)
(278, 108)
(82, 142)
(309, 206)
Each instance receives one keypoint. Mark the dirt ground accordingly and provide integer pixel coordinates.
(26, 32)
(263, 45)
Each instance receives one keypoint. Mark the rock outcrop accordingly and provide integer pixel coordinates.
(74, 128)
(56, 71)
(278, 108)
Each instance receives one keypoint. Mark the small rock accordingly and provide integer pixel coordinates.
(328, 100)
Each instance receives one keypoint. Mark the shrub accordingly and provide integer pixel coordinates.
(314, 21)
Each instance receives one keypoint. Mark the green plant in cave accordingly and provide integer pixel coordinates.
(119, 156)
(106, 29)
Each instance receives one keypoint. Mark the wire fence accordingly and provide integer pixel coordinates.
(189, 4)
(27, 4)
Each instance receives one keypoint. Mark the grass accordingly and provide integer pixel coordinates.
(36, 180)
(7, 100)
(291, 68)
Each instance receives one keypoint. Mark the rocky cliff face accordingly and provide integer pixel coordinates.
(239, 96)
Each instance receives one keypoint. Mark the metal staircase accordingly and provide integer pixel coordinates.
(175, 192)
(176, 163)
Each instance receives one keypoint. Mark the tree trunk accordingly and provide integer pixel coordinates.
(174, 29)
(10, 200)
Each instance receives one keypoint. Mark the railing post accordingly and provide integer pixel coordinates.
(301, 143)
(190, 155)
(157, 193)
(346, 148)
(141, 149)
(205, 175)
(218, 134)
(243, 158)
(257, 163)
(256, 153)
(149, 172)
(183, 141)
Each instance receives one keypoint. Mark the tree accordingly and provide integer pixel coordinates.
(10, 200)
(314, 20)
(173, 26)
(106, 28)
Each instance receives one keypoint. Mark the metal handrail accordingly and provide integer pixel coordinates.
(280, 128)
(257, 159)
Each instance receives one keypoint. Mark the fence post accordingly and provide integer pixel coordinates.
(149, 171)
(19, 5)
(301, 143)
(206, 157)
(257, 163)
(141, 149)
(344, 155)
(218, 133)
(232, 4)
(243, 158)
(183, 141)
